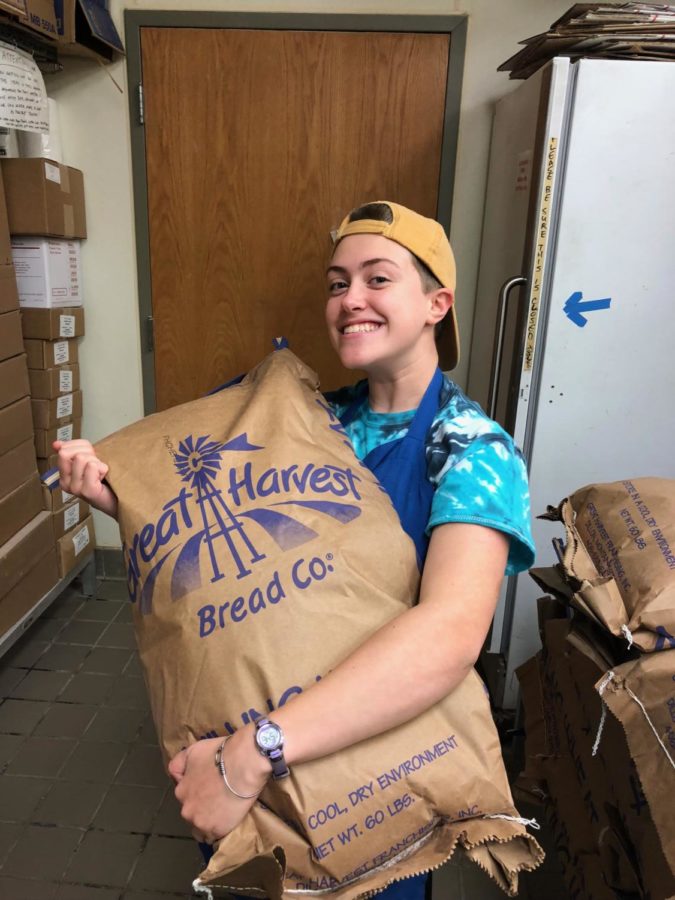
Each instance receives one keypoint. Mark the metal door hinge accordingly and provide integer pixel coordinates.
(141, 106)
(149, 334)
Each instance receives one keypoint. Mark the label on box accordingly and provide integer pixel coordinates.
(52, 172)
(65, 496)
(71, 517)
(66, 326)
(80, 540)
(64, 406)
(61, 353)
(65, 433)
(66, 382)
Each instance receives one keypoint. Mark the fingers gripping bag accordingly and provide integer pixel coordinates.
(259, 554)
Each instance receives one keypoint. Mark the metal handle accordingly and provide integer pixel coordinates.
(499, 344)
(149, 334)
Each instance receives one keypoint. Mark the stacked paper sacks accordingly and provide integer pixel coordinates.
(599, 698)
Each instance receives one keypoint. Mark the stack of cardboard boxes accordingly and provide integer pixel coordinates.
(44, 203)
(28, 566)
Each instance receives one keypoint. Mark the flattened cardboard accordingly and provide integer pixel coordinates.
(531, 689)
(46, 384)
(44, 198)
(69, 517)
(48, 354)
(296, 497)
(14, 382)
(16, 424)
(9, 298)
(52, 413)
(19, 507)
(75, 545)
(11, 341)
(22, 551)
(17, 466)
(37, 582)
(52, 324)
(69, 430)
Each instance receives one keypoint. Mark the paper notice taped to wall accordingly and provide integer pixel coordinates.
(23, 98)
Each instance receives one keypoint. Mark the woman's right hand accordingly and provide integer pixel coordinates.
(81, 473)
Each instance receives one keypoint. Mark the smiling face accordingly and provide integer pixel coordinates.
(379, 318)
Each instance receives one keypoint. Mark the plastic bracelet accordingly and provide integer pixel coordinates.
(221, 765)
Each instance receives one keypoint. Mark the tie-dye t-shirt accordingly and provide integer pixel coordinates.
(479, 473)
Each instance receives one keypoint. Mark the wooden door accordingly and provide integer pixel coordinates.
(256, 143)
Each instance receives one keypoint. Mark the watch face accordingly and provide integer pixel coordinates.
(269, 737)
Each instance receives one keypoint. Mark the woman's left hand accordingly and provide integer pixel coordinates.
(206, 803)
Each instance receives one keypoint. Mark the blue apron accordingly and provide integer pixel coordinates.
(400, 467)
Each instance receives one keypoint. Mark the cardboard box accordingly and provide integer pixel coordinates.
(5, 246)
(44, 198)
(55, 498)
(17, 466)
(11, 341)
(19, 507)
(37, 582)
(74, 545)
(48, 354)
(44, 437)
(47, 273)
(44, 464)
(46, 384)
(50, 413)
(85, 27)
(14, 382)
(69, 517)
(40, 17)
(9, 297)
(16, 424)
(52, 324)
(22, 551)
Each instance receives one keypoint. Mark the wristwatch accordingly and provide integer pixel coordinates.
(269, 739)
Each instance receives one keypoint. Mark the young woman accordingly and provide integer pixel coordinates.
(458, 484)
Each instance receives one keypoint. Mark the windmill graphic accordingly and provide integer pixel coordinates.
(198, 462)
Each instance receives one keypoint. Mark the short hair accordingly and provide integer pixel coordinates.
(381, 212)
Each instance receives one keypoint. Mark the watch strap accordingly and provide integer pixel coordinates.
(276, 756)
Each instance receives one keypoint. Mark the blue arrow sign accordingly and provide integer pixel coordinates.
(575, 307)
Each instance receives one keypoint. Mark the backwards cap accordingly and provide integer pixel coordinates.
(426, 239)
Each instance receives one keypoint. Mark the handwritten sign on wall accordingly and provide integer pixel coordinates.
(23, 98)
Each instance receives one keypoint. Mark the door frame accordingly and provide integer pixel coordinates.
(455, 26)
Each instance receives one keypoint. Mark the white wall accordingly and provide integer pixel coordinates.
(95, 136)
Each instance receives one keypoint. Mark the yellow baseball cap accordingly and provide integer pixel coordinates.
(426, 239)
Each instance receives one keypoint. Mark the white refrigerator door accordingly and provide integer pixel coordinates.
(523, 170)
(602, 408)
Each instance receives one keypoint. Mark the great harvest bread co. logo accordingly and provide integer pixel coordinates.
(211, 529)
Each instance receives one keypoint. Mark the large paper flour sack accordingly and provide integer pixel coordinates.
(621, 551)
(260, 553)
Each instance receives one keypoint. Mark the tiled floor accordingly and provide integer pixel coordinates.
(86, 810)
